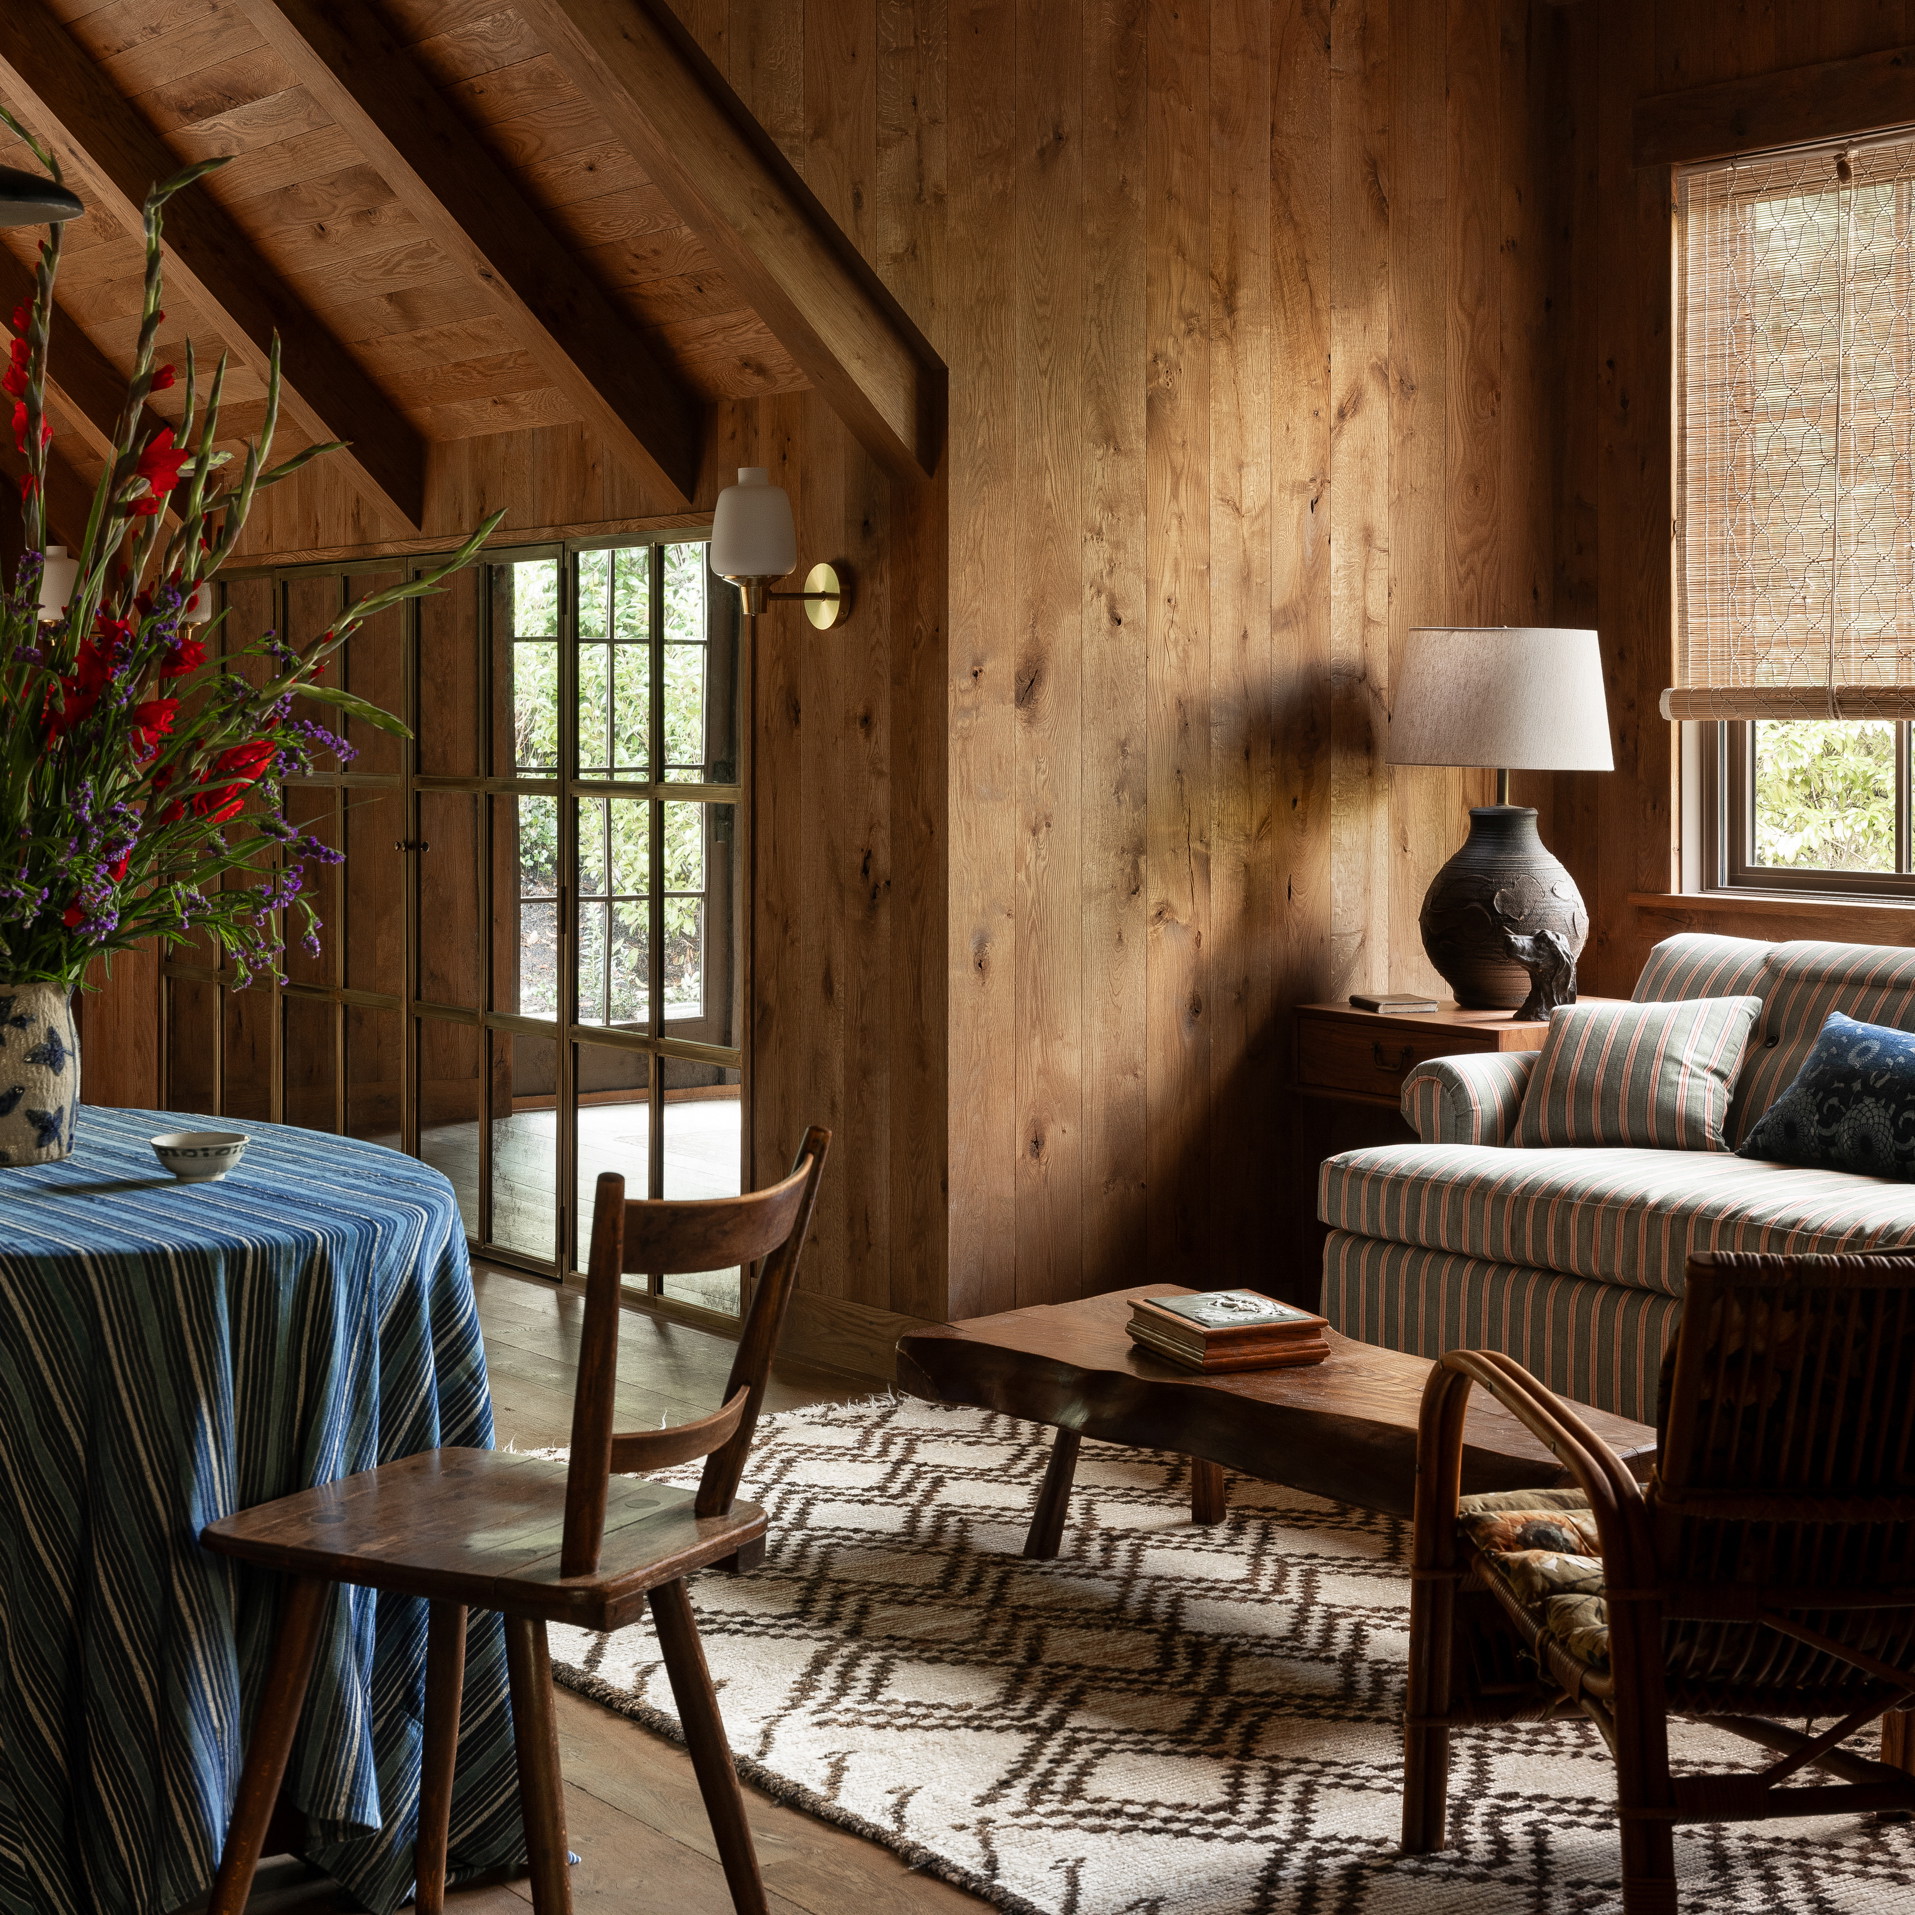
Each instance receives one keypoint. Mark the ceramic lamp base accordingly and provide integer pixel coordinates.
(1503, 880)
(39, 1073)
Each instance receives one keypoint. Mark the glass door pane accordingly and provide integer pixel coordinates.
(523, 1090)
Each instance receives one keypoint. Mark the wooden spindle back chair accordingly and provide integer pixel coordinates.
(540, 1542)
(1766, 1569)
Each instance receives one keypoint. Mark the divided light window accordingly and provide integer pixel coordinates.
(1795, 509)
(532, 964)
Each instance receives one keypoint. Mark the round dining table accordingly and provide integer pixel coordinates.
(170, 1352)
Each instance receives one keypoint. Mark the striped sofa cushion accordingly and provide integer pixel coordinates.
(1804, 983)
(1658, 1076)
(1701, 964)
(1617, 1215)
(1597, 1343)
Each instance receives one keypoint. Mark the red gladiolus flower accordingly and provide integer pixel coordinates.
(14, 382)
(242, 766)
(22, 318)
(95, 669)
(163, 377)
(160, 467)
(20, 428)
(152, 721)
(72, 917)
(187, 656)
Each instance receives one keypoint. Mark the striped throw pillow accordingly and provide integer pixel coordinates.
(1646, 1076)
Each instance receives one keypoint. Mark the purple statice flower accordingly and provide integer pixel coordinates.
(315, 850)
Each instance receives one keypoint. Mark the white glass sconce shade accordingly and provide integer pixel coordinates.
(753, 535)
(58, 575)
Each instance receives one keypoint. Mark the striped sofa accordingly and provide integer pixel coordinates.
(1572, 1260)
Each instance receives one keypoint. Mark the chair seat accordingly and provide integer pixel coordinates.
(1541, 1549)
(483, 1527)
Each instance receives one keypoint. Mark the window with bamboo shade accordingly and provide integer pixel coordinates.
(1795, 508)
(1795, 460)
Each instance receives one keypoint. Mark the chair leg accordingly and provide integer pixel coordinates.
(445, 1678)
(535, 1738)
(1898, 1739)
(1648, 1866)
(1209, 1491)
(1645, 1795)
(1053, 1500)
(1427, 1702)
(705, 1739)
(275, 1723)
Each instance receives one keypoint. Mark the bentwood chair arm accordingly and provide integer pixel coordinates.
(1615, 1497)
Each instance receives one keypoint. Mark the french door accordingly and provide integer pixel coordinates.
(530, 968)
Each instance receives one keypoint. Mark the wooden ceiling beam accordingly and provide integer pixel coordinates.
(724, 176)
(113, 155)
(478, 214)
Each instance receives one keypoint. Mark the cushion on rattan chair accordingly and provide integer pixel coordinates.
(1542, 1544)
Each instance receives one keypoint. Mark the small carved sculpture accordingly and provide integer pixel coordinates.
(1551, 965)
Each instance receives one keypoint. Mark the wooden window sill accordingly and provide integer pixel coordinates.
(1892, 920)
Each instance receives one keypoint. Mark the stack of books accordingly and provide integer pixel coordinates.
(1228, 1330)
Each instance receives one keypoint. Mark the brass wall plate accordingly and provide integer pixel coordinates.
(827, 596)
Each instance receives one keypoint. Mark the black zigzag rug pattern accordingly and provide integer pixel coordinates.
(1167, 1719)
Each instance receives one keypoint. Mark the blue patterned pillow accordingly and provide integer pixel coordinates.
(1851, 1107)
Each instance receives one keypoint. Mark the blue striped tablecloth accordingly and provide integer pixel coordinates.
(169, 1353)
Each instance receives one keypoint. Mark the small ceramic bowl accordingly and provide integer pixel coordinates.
(199, 1156)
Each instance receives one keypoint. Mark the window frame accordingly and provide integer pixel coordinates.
(1728, 825)
(494, 781)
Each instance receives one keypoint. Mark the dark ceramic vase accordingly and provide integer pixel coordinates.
(1502, 880)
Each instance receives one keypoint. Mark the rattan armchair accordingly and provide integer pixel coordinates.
(1766, 1570)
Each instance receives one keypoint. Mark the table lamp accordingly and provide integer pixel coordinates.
(1507, 698)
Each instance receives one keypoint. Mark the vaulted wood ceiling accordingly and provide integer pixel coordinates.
(451, 239)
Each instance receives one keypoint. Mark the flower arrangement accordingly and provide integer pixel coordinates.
(138, 772)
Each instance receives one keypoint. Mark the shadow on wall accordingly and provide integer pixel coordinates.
(1233, 1158)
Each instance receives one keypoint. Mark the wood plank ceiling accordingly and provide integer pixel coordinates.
(401, 331)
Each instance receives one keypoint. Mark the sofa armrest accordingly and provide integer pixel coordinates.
(1472, 1099)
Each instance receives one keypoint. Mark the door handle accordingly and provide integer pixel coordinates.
(412, 844)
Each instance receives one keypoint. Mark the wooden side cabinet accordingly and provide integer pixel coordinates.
(1362, 1057)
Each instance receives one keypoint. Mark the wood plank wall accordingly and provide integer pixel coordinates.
(1610, 274)
(1243, 307)
(1244, 304)
(1243, 328)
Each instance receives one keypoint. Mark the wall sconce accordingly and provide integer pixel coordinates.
(59, 574)
(754, 541)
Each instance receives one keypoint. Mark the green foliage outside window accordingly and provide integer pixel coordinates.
(1825, 795)
(614, 604)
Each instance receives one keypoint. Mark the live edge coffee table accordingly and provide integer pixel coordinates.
(1343, 1428)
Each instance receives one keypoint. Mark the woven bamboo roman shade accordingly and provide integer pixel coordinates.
(1795, 467)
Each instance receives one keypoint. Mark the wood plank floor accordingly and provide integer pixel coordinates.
(632, 1807)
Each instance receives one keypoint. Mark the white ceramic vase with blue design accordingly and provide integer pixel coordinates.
(39, 1073)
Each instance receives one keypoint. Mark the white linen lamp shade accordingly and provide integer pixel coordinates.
(1508, 698)
(198, 607)
(59, 574)
(754, 541)
(753, 536)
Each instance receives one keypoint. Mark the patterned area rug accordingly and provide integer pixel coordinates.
(1164, 1719)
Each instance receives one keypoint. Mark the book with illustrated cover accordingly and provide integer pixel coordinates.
(1232, 1310)
(1228, 1329)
